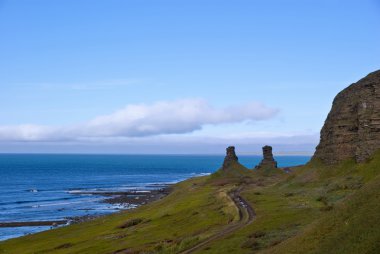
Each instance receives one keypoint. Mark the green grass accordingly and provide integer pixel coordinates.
(352, 226)
(315, 209)
(190, 213)
(287, 206)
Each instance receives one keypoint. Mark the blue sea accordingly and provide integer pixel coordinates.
(43, 187)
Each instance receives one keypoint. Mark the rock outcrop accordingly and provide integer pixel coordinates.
(230, 157)
(268, 161)
(352, 128)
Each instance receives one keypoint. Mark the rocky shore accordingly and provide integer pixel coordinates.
(123, 199)
(32, 223)
(136, 198)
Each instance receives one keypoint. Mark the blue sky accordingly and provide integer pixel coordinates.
(177, 76)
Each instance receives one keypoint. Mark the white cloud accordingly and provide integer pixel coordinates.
(165, 117)
(284, 144)
(27, 132)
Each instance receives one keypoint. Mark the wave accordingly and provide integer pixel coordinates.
(201, 174)
(81, 191)
(34, 201)
(66, 203)
(137, 186)
(144, 187)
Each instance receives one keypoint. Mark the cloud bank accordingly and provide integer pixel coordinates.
(168, 144)
(142, 120)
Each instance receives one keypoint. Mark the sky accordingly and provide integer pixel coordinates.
(177, 77)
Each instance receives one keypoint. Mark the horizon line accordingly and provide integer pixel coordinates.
(154, 154)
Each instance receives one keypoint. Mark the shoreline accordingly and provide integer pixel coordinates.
(137, 198)
(16, 224)
(125, 199)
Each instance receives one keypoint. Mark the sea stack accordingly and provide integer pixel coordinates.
(352, 128)
(268, 161)
(230, 157)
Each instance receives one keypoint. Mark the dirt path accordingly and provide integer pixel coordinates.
(246, 216)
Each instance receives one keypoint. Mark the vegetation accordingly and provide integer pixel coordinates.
(313, 209)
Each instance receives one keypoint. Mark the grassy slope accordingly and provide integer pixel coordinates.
(352, 226)
(316, 209)
(296, 212)
(192, 211)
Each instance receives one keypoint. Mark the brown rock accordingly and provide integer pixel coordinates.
(230, 157)
(352, 128)
(268, 161)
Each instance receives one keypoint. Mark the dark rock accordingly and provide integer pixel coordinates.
(352, 128)
(130, 223)
(230, 157)
(268, 161)
(64, 246)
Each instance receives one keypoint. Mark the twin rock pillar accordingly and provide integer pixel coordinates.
(267, 162)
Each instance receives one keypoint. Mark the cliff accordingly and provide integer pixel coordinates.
(352, 128)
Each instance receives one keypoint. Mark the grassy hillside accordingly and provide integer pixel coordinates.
(193, 211)
(352, 226)
(314, 209)
(299, 213)
(196, 209)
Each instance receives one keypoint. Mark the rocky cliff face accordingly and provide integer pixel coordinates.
(352, 128)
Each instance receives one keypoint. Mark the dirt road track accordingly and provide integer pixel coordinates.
(246, 216)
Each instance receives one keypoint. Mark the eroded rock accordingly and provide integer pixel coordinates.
(268, 160)
(230, 157)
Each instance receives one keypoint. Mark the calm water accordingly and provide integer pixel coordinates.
(42, 187)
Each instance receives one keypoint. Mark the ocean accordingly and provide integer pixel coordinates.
(45, 187)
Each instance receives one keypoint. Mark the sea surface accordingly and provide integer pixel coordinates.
(45, 187)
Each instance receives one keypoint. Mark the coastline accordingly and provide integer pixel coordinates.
(107, 191)
(125, 200)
